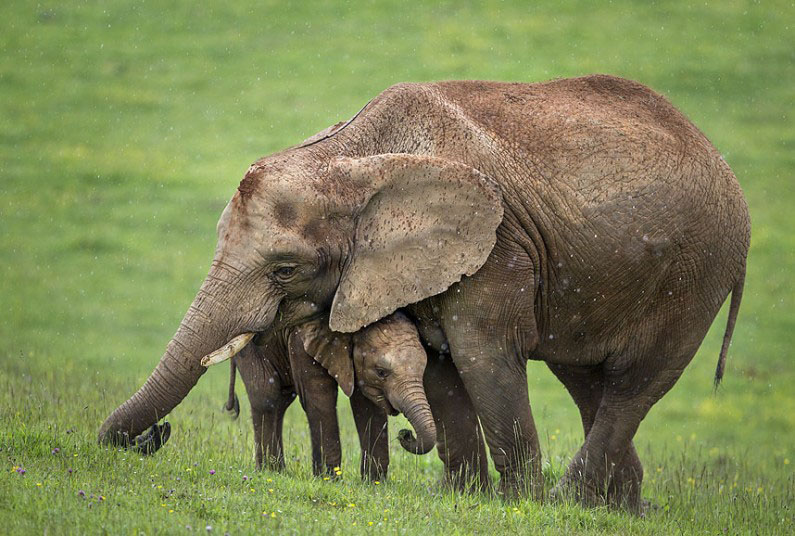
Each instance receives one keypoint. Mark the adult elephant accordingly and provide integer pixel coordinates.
(584, 222)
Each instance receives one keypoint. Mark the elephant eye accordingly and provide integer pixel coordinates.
(381, 372)
(284, 272)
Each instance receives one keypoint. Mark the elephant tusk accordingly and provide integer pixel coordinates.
(228, 350)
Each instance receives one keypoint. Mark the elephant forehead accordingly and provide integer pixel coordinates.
(282, 176)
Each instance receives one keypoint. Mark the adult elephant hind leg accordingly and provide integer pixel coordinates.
(489, 322)
(499, 396)
(586, 387)
(459, 439)
(605, 469)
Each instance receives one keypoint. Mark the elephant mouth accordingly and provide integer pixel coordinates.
(390, 409)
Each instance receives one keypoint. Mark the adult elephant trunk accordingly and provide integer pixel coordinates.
(205, 328)
(414, 405)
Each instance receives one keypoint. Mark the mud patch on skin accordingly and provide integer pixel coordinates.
(249, 183)
(285, 214)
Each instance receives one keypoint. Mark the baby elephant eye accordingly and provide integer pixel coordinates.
(381, 372)
(284, 272)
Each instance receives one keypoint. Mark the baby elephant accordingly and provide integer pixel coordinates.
(390, 360)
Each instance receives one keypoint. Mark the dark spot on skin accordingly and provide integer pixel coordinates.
(285, 213)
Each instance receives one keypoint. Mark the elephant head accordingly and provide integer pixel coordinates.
(388, 361)
(309, 233)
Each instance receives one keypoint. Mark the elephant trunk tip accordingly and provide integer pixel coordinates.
(412, 444)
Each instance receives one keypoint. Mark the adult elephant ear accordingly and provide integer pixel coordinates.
(422, 223)
(334, 351)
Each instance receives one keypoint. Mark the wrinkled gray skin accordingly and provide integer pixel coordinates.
(275, 369)
(584, 222)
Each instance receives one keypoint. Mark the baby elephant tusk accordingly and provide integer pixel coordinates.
(228, 350)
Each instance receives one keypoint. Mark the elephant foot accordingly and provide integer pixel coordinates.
(626, 497)
(512, 488)
(573, 490)
(465, 480)
(271, 463)
(374, 473)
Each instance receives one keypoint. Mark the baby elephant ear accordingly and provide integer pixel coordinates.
(422, 223)
(332, 350)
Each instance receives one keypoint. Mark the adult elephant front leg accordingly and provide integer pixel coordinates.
(459, 441)
(269, 400)
(371, 425)
(490, 325)
(317, 391)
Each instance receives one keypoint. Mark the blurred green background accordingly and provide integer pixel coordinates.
(126, 126)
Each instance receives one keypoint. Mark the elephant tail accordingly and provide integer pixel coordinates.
(734, 307)
(232, 406)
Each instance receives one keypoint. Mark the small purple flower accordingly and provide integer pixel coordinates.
(81, 493)
(212, 471)
(245, 478)
(21, 470)
(70, 470)
(56, 450)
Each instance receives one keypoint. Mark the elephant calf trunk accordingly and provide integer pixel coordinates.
(414, 406)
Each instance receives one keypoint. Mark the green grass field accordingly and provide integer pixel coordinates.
(125, 128)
